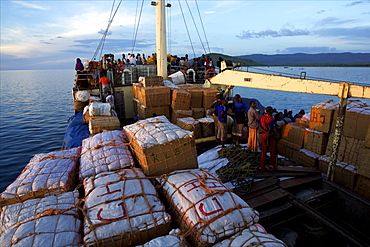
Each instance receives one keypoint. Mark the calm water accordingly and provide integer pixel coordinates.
(35, 107)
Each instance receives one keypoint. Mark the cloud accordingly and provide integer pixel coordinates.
(321, 11)
(354, 32)
(309, 50)
(30, 5)
(45, 42)
(332, 21)
(283, 32)
(103, 32)
(357, 3)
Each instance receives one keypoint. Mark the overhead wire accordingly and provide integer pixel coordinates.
(137, 27)
(196, 28)
(201, 21)
(102, 40)
(187, 30)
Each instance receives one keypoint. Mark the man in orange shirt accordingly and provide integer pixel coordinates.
(268, 139)
(104, 84)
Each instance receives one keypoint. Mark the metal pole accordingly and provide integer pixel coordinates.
(343, 94)
(161, 39)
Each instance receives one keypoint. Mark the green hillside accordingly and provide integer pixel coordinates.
(244, 62)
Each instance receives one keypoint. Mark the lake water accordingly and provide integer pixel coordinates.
(36, 104)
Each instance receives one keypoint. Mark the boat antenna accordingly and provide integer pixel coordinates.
(201, 21)
(136, 27)
(196, 28)
(187, 30)
(102, 40)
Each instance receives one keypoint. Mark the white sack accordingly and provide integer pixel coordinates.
(49, 221)
(82, 96)
(207, 206)
(120, 205)
(155, 131)
(255, 235)
(99, 109)
(45, 174)
(106, 151)
(171, 240)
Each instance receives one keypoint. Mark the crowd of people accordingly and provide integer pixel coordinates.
(263, 128)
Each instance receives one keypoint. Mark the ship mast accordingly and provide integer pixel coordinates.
(161, 38)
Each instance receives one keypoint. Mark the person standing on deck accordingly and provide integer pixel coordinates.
(79, 66)
(239, 116)
(222, 122)
(253, 118)
(110, 100)
(104, 84)
(268, 139)
(219, 98)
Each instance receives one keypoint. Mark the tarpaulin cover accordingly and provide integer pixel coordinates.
(106, 151)
(207, 211)
(77, 130)
(49, 221)
(45, 174)
(253, 236)
(122, 208)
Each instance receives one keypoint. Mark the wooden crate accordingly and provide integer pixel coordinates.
(175, 114)
(209, 97)
(198, 112)
(154, 96)
(180, 99)
(101, 123)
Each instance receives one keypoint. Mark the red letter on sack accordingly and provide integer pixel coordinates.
(201, 208)
(112, 219)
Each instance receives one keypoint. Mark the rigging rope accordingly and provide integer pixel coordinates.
(196, 27)
(201, 21)
(102, 41)
(137, 28)
(187, 30)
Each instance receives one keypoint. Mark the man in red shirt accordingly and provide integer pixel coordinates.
(105, 84)
(268, 139)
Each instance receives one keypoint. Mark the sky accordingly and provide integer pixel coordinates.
(52, 34)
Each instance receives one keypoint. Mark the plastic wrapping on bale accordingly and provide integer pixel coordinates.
(255, 235)
(82, 96)
(99, 109)
(190, 124)
(106, 151)
(122, 209)
(208, 126)
(160, 146)
(207, 211)
(45, 174)
(173, 239)
(49, 221)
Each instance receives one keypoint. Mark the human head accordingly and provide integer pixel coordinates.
(219, 96)
(252, 104)
(223, 102)
(302, 112)
(237, 97)
(269, 110)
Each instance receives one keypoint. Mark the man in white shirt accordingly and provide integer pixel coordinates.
(253, 118)
(110, 100)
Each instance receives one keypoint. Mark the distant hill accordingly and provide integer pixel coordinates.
(321, 59)
(243, 61)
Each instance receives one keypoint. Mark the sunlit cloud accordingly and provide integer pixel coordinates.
(30, 5)
(283, 32)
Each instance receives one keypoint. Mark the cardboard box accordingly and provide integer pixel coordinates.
(363, 187)
(355, 124)
(147, 112)
(288, 149)
(198, 112)
(308, 158)
(364, 162)
(164, 158)
(175, 114)
(196, 97)
(349, 149)
(154, 96)
(190, 124)
(294, 132)
(315, 141)
(101, 123)
(367, 138)
(209, 97)
(180, 99)
(324, 164)
(135, 89)
(321, 119)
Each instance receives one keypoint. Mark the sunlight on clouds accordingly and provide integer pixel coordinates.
(30, 5)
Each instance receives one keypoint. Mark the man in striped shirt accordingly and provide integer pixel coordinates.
(268, 139)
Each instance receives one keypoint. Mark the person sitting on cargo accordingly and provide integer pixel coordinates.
(298, 115)
(268, 139)
(222, 122)
(79, 66)
(110, 99)
(253, 118)
(239, 109)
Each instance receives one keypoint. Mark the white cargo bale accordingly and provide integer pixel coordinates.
(48, 221)
(45, 174)
(122, 209)
(173, 239)
(106, 151)
(204, 207)
(255, 235)
(100, 109)
(82, 96)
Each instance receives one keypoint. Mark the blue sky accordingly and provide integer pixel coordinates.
(52, 34)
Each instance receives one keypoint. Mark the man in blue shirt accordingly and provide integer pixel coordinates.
(239, 109)
(222, 121)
